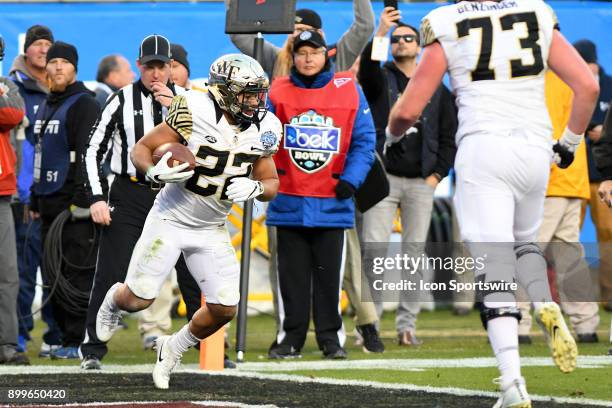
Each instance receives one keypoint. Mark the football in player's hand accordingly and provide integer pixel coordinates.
(180, 154)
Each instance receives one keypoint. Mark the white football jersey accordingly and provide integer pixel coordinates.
(497, 54)
(222, 152)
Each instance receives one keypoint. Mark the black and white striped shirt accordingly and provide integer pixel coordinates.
(127, 116)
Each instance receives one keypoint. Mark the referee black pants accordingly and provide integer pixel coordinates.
(129, 203)
(310, 269)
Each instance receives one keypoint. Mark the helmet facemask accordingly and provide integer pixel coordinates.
(240, 87)
(250, 103)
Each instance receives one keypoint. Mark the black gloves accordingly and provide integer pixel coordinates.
(344, 190)
(564, 149)
(564, 156)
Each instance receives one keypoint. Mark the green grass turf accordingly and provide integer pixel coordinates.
(444, 335)
(593, 383)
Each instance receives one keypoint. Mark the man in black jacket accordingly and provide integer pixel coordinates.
(415, 162)
(61, 131)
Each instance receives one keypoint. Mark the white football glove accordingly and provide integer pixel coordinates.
(391, 139)
(243, 189)
(162, 173)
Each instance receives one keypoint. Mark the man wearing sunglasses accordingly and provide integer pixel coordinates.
(415, 163)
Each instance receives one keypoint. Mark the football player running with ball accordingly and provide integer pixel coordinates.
(496, 53)
(233, 138)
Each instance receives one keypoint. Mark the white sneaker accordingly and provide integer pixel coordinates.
(560, 340)
(514, 394)
(107, 320)
(167, 359)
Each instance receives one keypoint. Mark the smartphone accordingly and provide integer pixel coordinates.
(391, 3)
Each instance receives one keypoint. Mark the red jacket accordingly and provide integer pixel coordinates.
(11, 114)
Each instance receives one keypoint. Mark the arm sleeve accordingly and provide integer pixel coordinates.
(180, 118)
(353, 41)
(370, 74)
(12, 107)
(82, 117)
(602, 151)
(447, 127)
(363, 142)
(99, 143)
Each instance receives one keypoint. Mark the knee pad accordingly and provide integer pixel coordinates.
(487, 314)
(524, 248)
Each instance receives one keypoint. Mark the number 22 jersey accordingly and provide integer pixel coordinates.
(222, 152)
(497, 54)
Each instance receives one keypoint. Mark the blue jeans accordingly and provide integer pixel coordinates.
(28, 260)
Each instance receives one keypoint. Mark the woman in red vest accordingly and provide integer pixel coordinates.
(327, 152)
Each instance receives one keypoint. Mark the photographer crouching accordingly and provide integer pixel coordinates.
(69, 237)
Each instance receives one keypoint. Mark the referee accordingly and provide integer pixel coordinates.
(128, 114)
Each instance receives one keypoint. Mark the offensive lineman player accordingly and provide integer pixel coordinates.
(496, 53)
(231, 134)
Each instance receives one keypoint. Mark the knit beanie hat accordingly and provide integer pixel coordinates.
(64, 50)
(35, 33)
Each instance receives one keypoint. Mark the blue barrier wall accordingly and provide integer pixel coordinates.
(101, 29)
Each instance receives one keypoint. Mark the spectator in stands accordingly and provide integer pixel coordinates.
(61, 130)
(415, 163)
(314, 205)
(180, 70)
(114, 72)
(559, 234)
(12, 111)
(602, 218)
(28, 72)
(278, 61)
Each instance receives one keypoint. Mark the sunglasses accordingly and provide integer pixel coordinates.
(407, 38)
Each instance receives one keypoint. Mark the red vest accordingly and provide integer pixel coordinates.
(317, 134)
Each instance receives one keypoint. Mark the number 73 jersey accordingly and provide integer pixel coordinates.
(222, 152)
(497, 54)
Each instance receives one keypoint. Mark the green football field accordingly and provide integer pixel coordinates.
(455, 356)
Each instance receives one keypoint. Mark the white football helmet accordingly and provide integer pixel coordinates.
(235, 74)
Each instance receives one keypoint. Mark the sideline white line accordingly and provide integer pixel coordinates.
(412, 364)
(390, 364)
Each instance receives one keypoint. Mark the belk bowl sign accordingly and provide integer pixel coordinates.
(311, 140)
